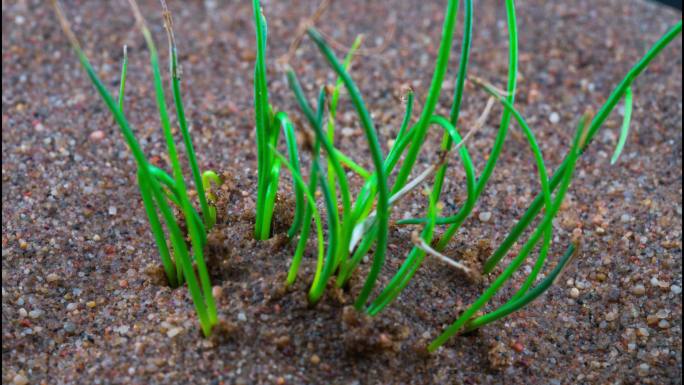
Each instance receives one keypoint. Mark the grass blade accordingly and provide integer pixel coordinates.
(624, 131)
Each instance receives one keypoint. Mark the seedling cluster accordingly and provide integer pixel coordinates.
(350, 227)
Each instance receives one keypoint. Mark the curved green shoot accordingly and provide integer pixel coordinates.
(347, 219)
(594, 126)
(297, 177)
(624, 131)
(364, 201)
(530, 296)
(420, 128)
(416, 256)
(291, 142)
(333, 160)
(378, 160)
(323, 275)
(494, 154)
(525, 250)
(314, 119)
(544, 180)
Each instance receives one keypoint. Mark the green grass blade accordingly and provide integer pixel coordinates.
(176, 236)
(525, 250)
(416, 255)
(262, 129)
(347, 218)
(420, 129)
(332, 113)
(495, 153)
(533, 294)
(322, 277)
(314, 119)
(122, 82)
(624, 131)
(544, 181)
(180, 113)
(309, 194)
(594, 126)
(157, 231)
(195, 236)
(376, 154)
(291, 142)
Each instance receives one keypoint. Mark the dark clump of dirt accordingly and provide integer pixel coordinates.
(84, 299)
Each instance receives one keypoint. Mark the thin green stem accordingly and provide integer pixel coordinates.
(421, 126)
(122, 82)
(376, 155)
(526, 249)
(533, 294)
(624, 131)
(261, 117)
(594, 126)
(493, 157)
(416, 256)
(194, 231)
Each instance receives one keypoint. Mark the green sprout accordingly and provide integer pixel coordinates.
(354, 229)
(157, 188)
(350, 226)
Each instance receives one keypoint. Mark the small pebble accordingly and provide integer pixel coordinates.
(52, 277)
(574, 293)
(91, 304)
(20, 379)
(638, 289)
(112, 210)
(554, 118)
(241, 317)
(315, 359)
(71, 306)
(23, 313)
(347, 131)
(642, 369)
(611, 316)
(69, 327)
(217, 292)
(652, 319)
(174, 332)
(37, 313)
(663, 324)
(485, 216)
(97, 135)
(518, 347)
(663, 314)
(676, 289)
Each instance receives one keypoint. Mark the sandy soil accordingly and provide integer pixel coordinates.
(79, 304)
